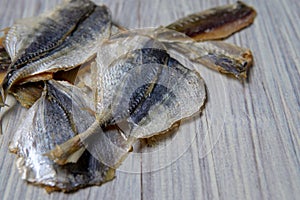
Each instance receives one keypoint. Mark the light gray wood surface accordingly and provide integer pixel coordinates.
(244, 145)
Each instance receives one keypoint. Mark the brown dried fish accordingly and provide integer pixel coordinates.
(216, 23)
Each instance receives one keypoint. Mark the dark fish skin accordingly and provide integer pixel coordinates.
(149, 94)
(54, 31)
(113, 76)
(142, 100)
(74, 44)
(215, 23)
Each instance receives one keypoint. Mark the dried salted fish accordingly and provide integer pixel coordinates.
(215, 23)
(68, 141)
(60, 40)
(57, 116)
(142, 85)
(115, 106)
(26, 40)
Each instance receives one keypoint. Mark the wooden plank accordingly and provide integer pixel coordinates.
(245, 144)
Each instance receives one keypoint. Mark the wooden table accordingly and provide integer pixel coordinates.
(244, 145)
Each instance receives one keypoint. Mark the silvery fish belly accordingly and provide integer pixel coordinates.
(60, 114)
(59, 40)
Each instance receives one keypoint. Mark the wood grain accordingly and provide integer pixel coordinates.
(245, 144)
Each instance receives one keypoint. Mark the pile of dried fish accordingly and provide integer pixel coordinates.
(80, 76)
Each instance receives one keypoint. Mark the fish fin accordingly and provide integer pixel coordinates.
(62, 154)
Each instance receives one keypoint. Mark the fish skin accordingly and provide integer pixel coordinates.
(46, 32)
(29, 36)
(158, 78)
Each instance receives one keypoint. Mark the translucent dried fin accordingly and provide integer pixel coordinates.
(215, 23)
(108, 145)
(85, 80)
(61, 153)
